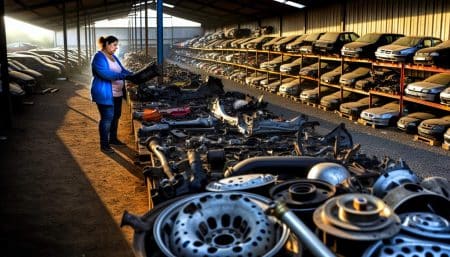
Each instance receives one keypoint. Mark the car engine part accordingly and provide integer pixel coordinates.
(426, 225)
(439, 185)
(219, 224)
(344, 219)
(414, 198)
(303, 196)
(306, 236)
(256, 183)
(393, 178)
(402, 245)
(330, 172)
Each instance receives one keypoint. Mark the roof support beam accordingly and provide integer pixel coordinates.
(66, 60)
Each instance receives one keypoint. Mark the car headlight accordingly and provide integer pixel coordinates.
(434, 54)
(425, 90)
(344, 48)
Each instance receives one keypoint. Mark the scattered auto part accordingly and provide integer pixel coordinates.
(439, 185)
(254, 183)
(311, 242)
(330, 172)
(402, 245)
(303, 196)
(426, 225)
(219, 224)
(414, 198)
(395, 176)
(355, 217)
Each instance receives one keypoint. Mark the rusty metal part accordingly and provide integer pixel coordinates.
(359, 217)
(294, 165)
(439, 185)
(306, 236)
(424, 224)
(153, 144)
(392, 179)
(219, 224)
(218, 112)
(329, 172)
(242, 183)
(402, 245)
(303, 195)
(414, 198)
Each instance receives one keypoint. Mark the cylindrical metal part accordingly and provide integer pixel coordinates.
(155, 148)
(306, 236)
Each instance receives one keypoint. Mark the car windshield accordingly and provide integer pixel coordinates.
(329, 36)
(369, 38)
(441, 79)
(407, 41)
(444, 44)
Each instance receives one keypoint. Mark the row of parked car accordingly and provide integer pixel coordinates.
(30, 70)
(426, 50)
(435, 88)
(349, 103)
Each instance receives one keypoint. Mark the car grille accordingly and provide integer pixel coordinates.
(427, 126)
(385, 51)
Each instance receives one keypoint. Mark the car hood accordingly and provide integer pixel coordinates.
(352, 105)
(445, 122)
(354, 45)
(394, 47)
(356, 74)
(419, 85)
(380, 110)
(407, 119)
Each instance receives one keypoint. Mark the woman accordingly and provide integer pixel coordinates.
(107, 91)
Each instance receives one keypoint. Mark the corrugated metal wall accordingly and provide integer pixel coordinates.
(409, 17)
(293, 24)
(324, 19)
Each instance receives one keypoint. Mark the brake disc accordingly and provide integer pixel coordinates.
(439, 185)
(344, 219)
(414, 198)
(242, 183)
(406, 246)
(219, 224)
(424, 224)
(392, 179)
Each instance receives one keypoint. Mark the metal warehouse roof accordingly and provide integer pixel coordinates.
(210, 13)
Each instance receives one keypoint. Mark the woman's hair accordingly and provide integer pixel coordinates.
(103, 41)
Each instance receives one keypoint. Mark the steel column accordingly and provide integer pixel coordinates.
(94, 39)
(140, 24)
(66, 61)
(146, 29)
(5, 106)
(90, 37)
(86, 39)
(135, 27)
(159, 37)
(78, 33)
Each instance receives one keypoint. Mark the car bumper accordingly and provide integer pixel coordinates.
(430, 133)
(409, 128)
(445, 99)
(390, 57)
(424, 96)
(427, 60)
(351, 53)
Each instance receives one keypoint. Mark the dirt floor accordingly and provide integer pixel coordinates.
(60, 195)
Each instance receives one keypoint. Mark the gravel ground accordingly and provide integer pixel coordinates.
(422, 158)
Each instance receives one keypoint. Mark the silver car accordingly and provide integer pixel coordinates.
(430, 88)
(445, 96)
(312, 95)
(404, 48)
(291, 88)
(382, 116)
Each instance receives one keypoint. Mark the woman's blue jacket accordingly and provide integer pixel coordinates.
(101, 86)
